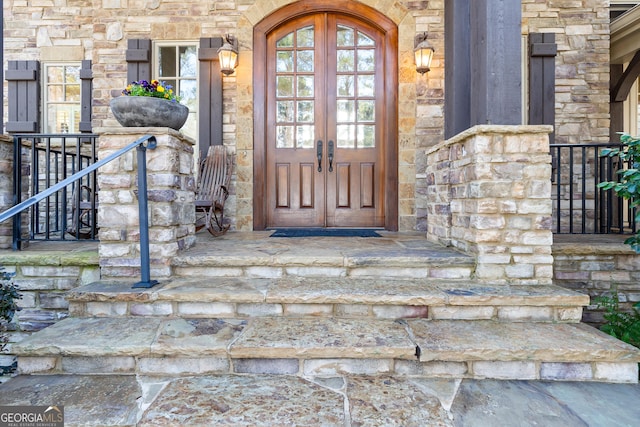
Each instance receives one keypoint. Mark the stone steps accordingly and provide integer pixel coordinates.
(328, 346)
(348, 297)
(256, 255)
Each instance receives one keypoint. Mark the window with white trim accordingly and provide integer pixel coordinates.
(176, 64)
(61, 113)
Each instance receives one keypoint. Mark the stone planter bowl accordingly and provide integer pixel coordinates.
(146, 111)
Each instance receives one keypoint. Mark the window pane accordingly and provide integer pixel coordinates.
(305, 137)
(285, 111)
(72, 93)
(63, 118)
(55, 74)
(365, 60)
(346, 60)
(188, 93)
(72, 75)
(346, 136)
(55, 93)
(284, 136)
(284, 86)
(305, 111)
(346, 111)
(305, 37)
(345, 36)
(365, 85)
(366, 136)
(305, 61)
(364, 40)
(284, 61)
(366, 111)
(286, 41)
(305, 86)
(167, 61)
(188, 61)
(345, 85)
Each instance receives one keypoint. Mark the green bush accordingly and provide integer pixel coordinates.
(628, 185)
(620, 324)
(9, 296)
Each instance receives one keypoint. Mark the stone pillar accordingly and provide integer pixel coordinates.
(497, 181)
(6, 189)
(171, 195)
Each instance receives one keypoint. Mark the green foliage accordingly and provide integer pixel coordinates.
(9, 295)
(620, 324)
(628, 185)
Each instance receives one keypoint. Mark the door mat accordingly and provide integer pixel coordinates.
(324, 232)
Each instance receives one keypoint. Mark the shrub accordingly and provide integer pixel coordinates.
(9, 295)
(628, 185)
(620, 324)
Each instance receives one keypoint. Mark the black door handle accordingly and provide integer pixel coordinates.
(319, 154)
(330, 156)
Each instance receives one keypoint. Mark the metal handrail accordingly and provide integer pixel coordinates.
(145, 267)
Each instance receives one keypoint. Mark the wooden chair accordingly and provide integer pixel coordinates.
(84, 223)
(212, 191)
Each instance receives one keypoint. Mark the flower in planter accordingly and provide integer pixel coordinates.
(155, 89)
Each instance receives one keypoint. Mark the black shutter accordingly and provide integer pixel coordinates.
(24, 96)
(138, 60)
(86, 89)
(210, 104)
(542, 79)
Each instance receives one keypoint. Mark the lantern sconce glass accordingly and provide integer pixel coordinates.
(423, 53)
(228, 54)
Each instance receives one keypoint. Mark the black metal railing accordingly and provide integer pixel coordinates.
(76, 178)
(580, 207)
(43, 160)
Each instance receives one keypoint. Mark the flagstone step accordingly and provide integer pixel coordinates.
(322, 296)
(406, 255)
(328, 346)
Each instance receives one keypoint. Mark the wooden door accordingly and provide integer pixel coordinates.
(325, 123)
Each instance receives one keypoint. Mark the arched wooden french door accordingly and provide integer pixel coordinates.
(325, 123)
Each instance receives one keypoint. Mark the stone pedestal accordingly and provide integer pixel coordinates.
(171, 194)
(6, 188)
(489, 195)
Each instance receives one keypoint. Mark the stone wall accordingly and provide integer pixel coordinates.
(171, 201)
(598, 267)
(43, 277)
(489, 195)
(6, 188)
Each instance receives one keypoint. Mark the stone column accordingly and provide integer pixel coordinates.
(171, 195)
(497, 180)
(6, 189)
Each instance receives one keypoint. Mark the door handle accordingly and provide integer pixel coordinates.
(319, 154)
(330, 156)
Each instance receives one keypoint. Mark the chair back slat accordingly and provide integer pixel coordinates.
(215, 174)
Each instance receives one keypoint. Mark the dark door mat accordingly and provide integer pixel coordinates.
(324, 232)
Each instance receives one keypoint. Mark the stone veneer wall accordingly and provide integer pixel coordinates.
(43, 277)
(490, 195)
(6, 188)
(171, 201)
(598, 269)
(69, 30)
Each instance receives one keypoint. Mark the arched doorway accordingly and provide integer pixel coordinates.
(325, 103)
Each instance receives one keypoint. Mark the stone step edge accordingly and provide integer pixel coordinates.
(339, 291)
(168, 309)
(417, 339)
(612, 372)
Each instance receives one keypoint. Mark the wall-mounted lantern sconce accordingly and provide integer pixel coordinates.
(228, 54)
(423, 53)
